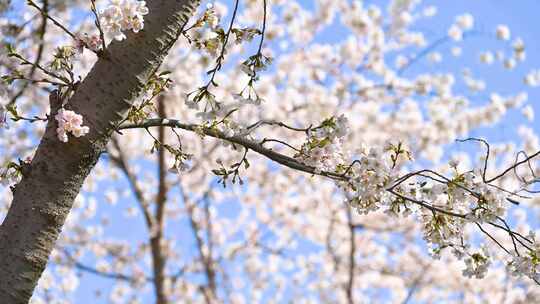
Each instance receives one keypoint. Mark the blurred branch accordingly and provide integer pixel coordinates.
(111, 275)
(209, 291)
(121, 162)
(41, 35)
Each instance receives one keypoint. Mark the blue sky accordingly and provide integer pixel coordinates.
(523, 22)
(522, 18)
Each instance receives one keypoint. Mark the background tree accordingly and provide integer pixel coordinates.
(249, 99)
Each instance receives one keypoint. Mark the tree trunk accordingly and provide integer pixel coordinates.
(44, 197)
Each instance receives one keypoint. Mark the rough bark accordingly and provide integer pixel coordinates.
(44, 197)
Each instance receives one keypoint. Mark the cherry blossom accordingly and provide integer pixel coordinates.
(124, 15)
(349, 178)
(477, 264)
(503, 32)
(92, 42)
(69, 122)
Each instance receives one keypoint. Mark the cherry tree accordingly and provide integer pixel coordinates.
(244, 160)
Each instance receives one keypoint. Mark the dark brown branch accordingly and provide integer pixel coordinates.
(110, 275)
(208, 290)
(46, 14)
(121, 162)
(252, 145)
(156, 237)
(221, 57)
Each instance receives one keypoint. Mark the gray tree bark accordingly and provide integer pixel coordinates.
(44, 197)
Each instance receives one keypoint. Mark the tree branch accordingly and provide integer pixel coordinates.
(156, 236)
(121, 162)
(242, 141)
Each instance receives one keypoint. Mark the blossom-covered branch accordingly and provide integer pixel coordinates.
(371, 183)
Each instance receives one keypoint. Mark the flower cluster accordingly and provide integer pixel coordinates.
(442, 231)
(490, 204)
(251, 98)
(255, 64)
(462, 23)
(369, 178)
(9, 176)
(245, 34)
(124, 15)
(372, 183)
(372, 174)
(92, 42)
(477, 264)
(323, 149)
(206, 34)
(63, 59)
(503, 32)
(532, 78)
(528, 264)
(209, 18)
(69, 122)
